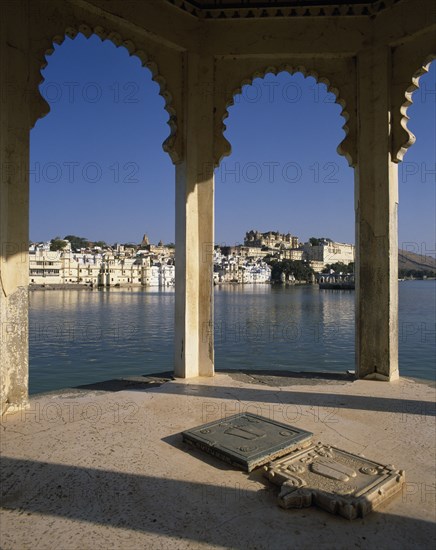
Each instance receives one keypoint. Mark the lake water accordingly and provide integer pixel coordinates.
(80, 337)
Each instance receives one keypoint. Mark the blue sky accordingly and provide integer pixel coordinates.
(98, 169)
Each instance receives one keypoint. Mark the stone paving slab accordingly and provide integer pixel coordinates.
(333, 479)
(247, 440)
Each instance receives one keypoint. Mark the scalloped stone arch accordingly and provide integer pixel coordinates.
(345, 148)
(403, 137)
(43, 108)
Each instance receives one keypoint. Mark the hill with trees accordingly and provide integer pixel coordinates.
(415, 265)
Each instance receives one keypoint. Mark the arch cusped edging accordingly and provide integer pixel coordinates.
(402, 136)
(42, 108)
(340, 76)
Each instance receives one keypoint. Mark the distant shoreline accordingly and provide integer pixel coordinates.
(76, 286)
(82, 286)
(86, 286)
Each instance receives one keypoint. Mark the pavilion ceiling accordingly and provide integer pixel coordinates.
(233, 9)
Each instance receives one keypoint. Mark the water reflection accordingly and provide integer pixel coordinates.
(80, 337)
(282, 328)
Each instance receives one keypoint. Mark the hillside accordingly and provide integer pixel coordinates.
(411, 261)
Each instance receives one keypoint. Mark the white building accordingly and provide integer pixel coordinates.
(329, 252)
(238, 269)
(45, 267)
(55, 268)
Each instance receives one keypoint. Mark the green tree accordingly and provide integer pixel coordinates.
(316, 241)
(339, 267)
(77, 242)
(299, 269)
(57, 244)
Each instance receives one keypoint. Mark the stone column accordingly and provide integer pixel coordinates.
(376, 223)
(14, 206)
(194, 353)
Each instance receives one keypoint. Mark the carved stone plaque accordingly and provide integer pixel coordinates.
(335, 480)
(247, 440)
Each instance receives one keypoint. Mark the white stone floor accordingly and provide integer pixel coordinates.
(97, 469)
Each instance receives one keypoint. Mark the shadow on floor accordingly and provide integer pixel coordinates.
(265, 393)
(289, 378)
(239, 516)
(254, 397)
(144, 382)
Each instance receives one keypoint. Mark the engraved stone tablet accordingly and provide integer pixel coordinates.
(335, 480)
(247, 440)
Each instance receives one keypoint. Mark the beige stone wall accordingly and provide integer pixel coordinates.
(14, 204)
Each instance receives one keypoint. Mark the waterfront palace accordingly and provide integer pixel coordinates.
(151, 265)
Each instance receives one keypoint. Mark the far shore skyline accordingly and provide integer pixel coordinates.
(419, 248)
